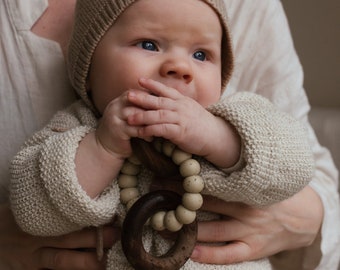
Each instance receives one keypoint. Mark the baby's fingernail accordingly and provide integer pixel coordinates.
(131, 94)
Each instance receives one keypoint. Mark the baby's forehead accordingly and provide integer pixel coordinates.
(183, 12)
(176, 20)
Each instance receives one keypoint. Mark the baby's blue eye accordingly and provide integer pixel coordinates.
(199, 55)
(147, 45)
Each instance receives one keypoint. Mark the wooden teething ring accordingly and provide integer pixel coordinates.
(137, 216)
(154, 202)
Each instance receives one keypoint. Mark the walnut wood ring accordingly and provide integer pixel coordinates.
(137, 216)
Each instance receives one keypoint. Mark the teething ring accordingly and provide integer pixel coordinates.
(132, 233)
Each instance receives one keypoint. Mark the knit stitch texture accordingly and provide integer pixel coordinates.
(47, 199)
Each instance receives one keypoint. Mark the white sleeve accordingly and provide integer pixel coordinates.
(266, 63)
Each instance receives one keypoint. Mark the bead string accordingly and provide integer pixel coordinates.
(193, 184)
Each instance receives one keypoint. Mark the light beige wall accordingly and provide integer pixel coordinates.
(315, 26)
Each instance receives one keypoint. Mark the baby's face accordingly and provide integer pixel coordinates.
(177, 43)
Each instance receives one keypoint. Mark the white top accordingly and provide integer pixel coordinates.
(33, 85)
(33, 79)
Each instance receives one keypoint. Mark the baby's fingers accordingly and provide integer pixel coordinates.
(166, 131)
(153, 117)
(159, 89)
(149, 101)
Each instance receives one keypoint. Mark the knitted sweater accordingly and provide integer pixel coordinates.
(47, 199)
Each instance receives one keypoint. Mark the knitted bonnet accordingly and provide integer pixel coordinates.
(93, 18)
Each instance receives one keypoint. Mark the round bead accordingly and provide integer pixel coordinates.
(168, 148)
(192, 201)
(131, 202)
(147, 223)
(185, 216)
(179, 156)
(157, 221)
(193, 184)
(157, 143)
(134, 160)
(128, 194)
(171, 222)
(190, 167)
(127, 181)
(130, 168)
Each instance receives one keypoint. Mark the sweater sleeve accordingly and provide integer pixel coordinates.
(277, 158)
(46, 197)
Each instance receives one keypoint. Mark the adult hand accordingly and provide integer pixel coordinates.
(20, 251)
(247, 233)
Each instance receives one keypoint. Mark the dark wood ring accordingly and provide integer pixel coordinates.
(132, 231)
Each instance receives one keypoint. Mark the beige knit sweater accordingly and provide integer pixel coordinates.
(47, 199)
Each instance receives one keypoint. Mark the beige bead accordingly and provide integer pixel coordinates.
(168, 148)
(171, 222)
(128, 194)
(193, 184)
(131, 202)
(192, 201)
(127, 181)
(157, 143)
(157, 221)
(130, 168)
(134, 160)
(179, 156)
(190, 167)
(185, 216)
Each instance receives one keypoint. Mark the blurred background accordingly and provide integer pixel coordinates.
(315, 26)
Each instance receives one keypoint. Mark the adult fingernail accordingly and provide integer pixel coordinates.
(194, 254)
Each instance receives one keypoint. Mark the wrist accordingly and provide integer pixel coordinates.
(225, 147)
(104, 150)
(112, 139)
(95, 162)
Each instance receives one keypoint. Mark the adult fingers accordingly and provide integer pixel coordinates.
(65, 259)
(86, 238)
(232, 209)
(222, 231)
(227, 254)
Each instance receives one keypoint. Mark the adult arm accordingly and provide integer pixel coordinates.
(35, 79)
(77, 250)
(267, 64)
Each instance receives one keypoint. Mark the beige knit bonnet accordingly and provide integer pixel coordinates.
(93, 18)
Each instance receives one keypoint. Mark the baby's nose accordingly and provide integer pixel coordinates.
(178, 68)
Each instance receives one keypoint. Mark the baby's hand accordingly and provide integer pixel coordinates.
(167, 113)
(101, 153)
(113, 132)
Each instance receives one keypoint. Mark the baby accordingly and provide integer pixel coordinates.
(146, 69)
